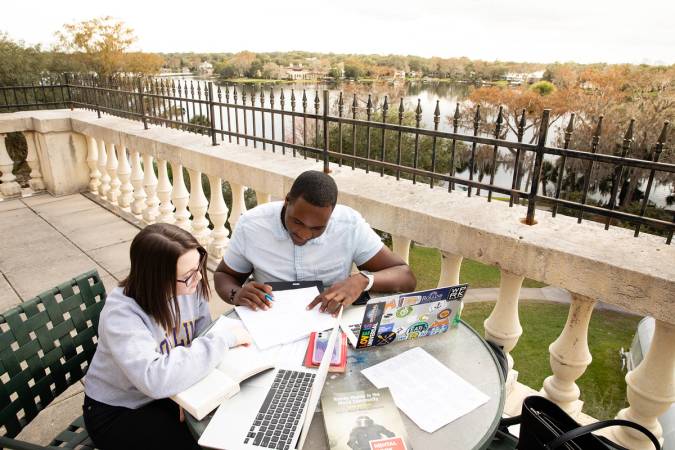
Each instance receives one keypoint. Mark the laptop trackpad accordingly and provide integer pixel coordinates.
(230, 424)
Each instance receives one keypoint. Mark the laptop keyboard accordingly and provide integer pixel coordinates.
(278, 417)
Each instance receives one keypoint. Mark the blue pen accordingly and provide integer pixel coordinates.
(269, 297)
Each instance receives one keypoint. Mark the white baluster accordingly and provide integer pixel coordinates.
(104, 187)
(164, 193)
(92, 162)
(124, 173)
(650, 390)
(503, 325)
(218, 214)
(137, 178)
(180, 197)
(569, 357)
(8, 185)
(238, 204)
(262, 198)
(36, 182)
(401, 246)
(450, 266)
(150, 185)
(198, 205)
(114, 192)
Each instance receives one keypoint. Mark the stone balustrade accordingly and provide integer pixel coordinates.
(146, 173)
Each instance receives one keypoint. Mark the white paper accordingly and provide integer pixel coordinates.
(429, 393)
(288, 355)
(287, 320)
(221, 325)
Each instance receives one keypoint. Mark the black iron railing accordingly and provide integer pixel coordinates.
(389, 144)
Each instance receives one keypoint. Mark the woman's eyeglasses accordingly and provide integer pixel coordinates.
(191, 276)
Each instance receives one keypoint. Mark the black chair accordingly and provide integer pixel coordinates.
(46, 345)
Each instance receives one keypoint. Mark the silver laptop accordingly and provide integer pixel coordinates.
(271, 411)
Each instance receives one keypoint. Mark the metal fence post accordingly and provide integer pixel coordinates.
(326, 169)
(214, 141)
(536, 173)
(140, 95)
(70, 97)
(94, 86)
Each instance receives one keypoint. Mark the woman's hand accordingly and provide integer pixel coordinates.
(241, 336)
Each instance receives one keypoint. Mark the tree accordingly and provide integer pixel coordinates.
(241, 62)
(100, 42)
(20, 63)
(621, 93)
(543, 87)
(514, 101)
(271, 70)
(142, 63)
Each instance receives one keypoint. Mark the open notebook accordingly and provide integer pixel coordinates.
(238, 364)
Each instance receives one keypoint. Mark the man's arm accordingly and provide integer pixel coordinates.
(228, 282)
(390, 272)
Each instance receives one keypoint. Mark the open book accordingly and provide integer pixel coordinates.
(238, 364)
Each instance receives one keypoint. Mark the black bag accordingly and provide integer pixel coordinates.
(544, 425)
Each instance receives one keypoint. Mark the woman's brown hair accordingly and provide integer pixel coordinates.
(152, 278)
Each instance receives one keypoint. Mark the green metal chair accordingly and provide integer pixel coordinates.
(46, 345)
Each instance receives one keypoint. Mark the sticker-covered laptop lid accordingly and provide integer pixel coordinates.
(409, 316)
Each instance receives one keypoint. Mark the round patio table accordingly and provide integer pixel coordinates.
(462, 350)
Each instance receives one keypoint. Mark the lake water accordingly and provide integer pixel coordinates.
(447, 94)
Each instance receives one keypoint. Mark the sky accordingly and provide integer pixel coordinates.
(583, 31)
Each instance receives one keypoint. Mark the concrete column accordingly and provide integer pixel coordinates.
(137, 176)
(180, 196)
(8, 185)
(104, 187)
(450, 266)
(238, 204)
(164, 193)
(36, 182)
(198, 205)
(650, 390)
(503, 325)
(124, 174)
(569, 357)
(92, 162)
(218, 214)
(63, 161)
(114, 192)
(150, 186)
(262, 197)
(401, 246)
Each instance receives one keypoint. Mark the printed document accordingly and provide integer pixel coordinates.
(287, 320)
(429, 393)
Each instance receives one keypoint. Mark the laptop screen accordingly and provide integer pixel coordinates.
(409, 316)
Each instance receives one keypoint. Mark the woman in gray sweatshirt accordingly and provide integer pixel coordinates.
(148, 349)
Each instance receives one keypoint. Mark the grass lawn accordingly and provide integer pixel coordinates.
(603, 388)
(426, 264)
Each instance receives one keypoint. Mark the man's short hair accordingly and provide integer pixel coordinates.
(316, 188)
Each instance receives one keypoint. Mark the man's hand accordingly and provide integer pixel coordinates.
(343, 292)
(253, 295)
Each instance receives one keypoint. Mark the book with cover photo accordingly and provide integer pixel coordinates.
(363, 420)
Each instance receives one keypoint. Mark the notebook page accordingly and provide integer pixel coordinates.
(287, 320)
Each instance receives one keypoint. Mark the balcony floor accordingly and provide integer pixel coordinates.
(47, 240)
